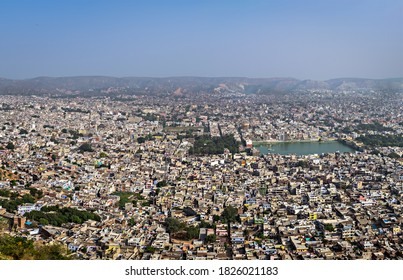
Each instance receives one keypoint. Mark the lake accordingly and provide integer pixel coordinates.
(303, 148)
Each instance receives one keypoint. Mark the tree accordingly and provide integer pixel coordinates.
(204, 224)
(214, 145)
(393, 155)
(161, 184)
(10, 146)
(328, 227)
(173, 225)
(132, 222)
(15, 247)
(211, 238)
(302, 163)
(75, 219)
(229, 214)
(35, 192)
(102, 155)
(57, 216)
(150, 249)
(20, 248)
(382, 140)
(51, 252)
(192, 232)
(216, 218)
(43, 221)
(189, 211)
(86, 147)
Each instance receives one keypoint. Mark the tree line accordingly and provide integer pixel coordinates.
(378, 140)
(53, 215)
(207, 145)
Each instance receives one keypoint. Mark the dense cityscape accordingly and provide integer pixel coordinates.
(183, 176)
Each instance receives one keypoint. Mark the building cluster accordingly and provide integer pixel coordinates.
(128, 161)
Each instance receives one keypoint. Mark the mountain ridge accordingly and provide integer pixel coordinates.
(79, 84)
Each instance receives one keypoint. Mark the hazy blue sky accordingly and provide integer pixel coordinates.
(303, 39)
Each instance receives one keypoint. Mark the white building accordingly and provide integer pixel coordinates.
(28, 207)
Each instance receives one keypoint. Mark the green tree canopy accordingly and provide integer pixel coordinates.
(10, 146)
(20, 248)
(86, 147)
(173, 225)
(229, 215)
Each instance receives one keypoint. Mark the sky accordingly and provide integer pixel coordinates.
(308, 39)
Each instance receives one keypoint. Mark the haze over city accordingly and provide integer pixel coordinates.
(302, 39)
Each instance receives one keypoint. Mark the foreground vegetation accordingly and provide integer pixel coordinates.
(20, 248)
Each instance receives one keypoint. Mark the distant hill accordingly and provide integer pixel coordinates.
(179, 85)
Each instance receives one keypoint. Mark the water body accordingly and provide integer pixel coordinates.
(303, 148)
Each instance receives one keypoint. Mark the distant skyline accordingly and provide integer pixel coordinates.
(307, 39)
